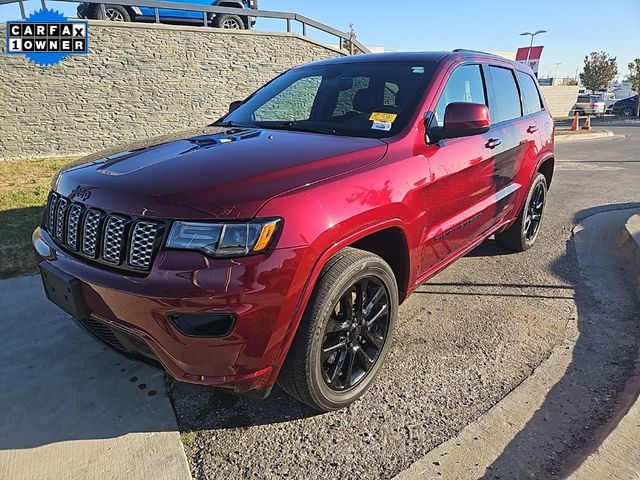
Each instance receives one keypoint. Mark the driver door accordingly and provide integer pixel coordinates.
(461, 172)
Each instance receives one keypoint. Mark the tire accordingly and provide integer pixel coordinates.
(315, 371)
(522, 235)
(114, 13)
(628, 112)
(230, 22)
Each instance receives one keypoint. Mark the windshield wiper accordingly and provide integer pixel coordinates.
(296, 127)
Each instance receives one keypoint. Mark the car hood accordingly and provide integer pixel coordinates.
(211, 172)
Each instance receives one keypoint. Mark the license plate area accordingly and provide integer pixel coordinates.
(63, 290)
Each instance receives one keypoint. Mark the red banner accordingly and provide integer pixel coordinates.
(533, 53)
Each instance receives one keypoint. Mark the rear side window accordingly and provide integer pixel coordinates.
(464, 85)
(507, 97)
(584, 99)
(530, 94)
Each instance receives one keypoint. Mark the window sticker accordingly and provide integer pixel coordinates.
(383, 117)
(417, 69)
(383, 126)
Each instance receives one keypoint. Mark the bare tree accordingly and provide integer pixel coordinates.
(348, 44)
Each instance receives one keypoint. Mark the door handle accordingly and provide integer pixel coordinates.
(493, 143)
(532, 129)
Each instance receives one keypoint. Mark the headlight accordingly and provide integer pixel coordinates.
(223, 239)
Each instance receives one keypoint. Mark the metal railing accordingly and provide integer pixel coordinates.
(345, 40)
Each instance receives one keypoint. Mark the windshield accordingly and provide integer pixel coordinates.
(361, 99)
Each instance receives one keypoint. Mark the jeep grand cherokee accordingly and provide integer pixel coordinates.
(277, 244)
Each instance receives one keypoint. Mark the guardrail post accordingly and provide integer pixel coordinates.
(205, 18)
(22, 12)
(157, 15)
(103, 10)
(288, 25)
(341, 43)
(304, 29)
(44, 5)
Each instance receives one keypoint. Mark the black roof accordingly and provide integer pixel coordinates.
(409, 57)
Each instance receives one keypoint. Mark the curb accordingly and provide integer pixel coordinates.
(629, 243)
(583, 136)
(475, 452)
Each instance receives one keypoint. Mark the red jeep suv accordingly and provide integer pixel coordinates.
(277, 244)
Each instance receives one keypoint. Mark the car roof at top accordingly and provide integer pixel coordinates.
(411, 57)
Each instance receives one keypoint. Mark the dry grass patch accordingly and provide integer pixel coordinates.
(24, 185)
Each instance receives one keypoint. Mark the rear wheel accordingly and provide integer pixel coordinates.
(345, 333)
(230, 22)
(628, 112)
(523, 233)
(114, 13)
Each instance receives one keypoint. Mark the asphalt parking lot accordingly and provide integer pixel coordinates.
(464, 340)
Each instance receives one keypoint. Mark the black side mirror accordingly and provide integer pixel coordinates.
(234, 105)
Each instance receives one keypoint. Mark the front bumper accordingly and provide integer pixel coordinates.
(261, 291)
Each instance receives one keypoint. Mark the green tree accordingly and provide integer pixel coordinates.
(634, 78)
(599, 69)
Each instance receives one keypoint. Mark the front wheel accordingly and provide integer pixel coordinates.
(523, 233)
(628, 112)
(230, 22)
(115, 13)
(345, 333)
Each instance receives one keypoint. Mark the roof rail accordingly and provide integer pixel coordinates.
(467, 50)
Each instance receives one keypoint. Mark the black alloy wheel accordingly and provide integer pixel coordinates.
(345, 333)
(355, 334)
(523, 232)
(534, 212)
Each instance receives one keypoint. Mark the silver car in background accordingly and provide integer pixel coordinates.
(589, 105)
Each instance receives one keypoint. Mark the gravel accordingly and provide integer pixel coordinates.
(463, 341)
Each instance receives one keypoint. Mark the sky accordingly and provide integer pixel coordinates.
(574, 27)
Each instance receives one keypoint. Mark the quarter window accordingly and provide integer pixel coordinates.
(507, 97)
(464, 85)
(530, 93)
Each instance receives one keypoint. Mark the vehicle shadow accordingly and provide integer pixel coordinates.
(204, 408)
(595, 391)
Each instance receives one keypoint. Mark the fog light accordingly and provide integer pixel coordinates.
(204, 324)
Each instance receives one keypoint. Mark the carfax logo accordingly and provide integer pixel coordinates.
(47, 37)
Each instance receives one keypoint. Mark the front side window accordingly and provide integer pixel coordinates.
(507, 97)
(361, 99)
(464, 85)
(530, 93)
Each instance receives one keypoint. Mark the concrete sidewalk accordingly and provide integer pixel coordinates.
(72, 409)
(535, 419)
(619, 455)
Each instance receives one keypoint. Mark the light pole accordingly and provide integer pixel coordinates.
(557, 64)
(538, 32)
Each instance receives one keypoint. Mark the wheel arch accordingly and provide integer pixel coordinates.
(546, 168)
(390, 244)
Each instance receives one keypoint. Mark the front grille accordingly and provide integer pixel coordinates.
(72, 225)
(90, 232)
(108, 238)
(60, 216)
(144, 234)
(113, 236)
